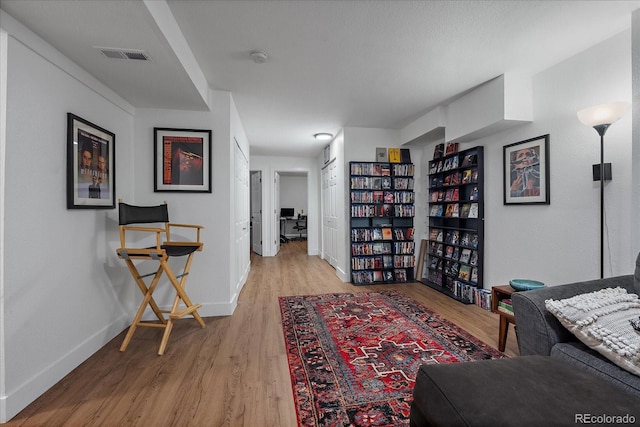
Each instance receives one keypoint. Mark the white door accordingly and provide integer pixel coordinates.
(276, 213)
(256, 211)
(241, 215)
(325, 214)
(333, 213)
(329, 214)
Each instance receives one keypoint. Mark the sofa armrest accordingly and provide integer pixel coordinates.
(538, 330)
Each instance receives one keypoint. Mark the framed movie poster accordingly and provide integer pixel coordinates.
(91, 169)
(526, 171)
(182, 160)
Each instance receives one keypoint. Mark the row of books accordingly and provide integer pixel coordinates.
(464, 291)
(483, 298)
(388, 210)
(381, 248)
(382, 169)
(455, 253)
(404, 261)
(372, 169)
(376, 276)
(378, 262)
(467, 176)
(406, 247)
(405, 169)
(454, 268)
(453, 195)
(372, 263)
(452, 163)
(403, 183)
(379, 196)
(505, 306)
(380, 233)
(381, 183)
(455, 210)
(377, 248)
(454, 237)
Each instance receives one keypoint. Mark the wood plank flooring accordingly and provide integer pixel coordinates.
(231, 373)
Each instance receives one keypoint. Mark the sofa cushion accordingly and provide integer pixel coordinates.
(636, 276)
(579, 355)
(600, 319)
(523, 391)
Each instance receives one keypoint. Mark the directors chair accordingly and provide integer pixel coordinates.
(164, 248)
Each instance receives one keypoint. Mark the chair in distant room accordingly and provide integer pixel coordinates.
(157, 228)
(301, 225)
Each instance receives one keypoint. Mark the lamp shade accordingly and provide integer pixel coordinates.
(604, 114)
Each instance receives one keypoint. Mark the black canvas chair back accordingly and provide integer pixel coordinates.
(130, 214)
(156, 223)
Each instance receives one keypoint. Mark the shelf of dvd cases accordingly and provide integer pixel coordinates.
(382, 210)
(453, 263)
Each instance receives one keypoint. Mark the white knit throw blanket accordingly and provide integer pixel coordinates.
(600, 319)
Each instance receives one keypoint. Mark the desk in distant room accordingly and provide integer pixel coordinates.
(287, 224)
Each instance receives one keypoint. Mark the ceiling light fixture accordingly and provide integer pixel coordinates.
(323, 136)
(258, 56)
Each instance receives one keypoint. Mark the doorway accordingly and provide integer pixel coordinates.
(292, 205)
(256, 212)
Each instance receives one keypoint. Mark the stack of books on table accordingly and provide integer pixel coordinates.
(505, 306)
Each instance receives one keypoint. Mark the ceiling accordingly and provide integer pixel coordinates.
(331, 64)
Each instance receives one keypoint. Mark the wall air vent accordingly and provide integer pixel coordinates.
(136, 55)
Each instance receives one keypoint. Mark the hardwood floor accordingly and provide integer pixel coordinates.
(233, 372)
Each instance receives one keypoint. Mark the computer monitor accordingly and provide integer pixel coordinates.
(286, 212)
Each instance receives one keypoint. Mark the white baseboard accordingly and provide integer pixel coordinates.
(16, 400)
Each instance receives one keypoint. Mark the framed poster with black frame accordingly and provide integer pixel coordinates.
(182, 160)
(526, 172)
(91, 165)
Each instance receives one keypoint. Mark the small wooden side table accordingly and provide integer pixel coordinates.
(499, 293)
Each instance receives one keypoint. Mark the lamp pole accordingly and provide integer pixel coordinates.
(601, 129)
(600, 117)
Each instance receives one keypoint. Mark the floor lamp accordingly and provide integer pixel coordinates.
(600, 117)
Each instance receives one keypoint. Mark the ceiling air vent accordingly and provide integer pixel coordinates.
(136, 55)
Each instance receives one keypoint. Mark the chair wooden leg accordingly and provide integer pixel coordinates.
(146, 300)
(181, 295)
(143, 288)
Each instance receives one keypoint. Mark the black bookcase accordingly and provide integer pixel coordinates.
(454, 260)
(382, 210)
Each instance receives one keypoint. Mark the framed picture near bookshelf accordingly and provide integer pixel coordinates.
(182, 160)
(526, 172)
(91, 167)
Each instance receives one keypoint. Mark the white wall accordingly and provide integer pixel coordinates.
(215, 210)
(269, 165)
(293, 193)
(560, 243)
(64, 290)
(635, 155)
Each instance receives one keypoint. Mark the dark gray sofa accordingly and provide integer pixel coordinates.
(540, 333)
(539, 388)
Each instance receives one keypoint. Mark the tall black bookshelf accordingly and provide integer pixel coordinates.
(382, 212)
(454, 260)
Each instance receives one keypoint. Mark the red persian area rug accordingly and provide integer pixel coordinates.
(353, 358)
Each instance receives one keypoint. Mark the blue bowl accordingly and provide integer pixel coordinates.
(525, 284)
